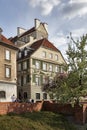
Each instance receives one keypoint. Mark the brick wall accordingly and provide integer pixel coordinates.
(79, 113)
(7, 107)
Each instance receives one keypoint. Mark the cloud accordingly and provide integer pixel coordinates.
(46, 6)
(74, 8)
(77, 33)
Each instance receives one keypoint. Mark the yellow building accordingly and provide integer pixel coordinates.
(36, 59)
(8, 71)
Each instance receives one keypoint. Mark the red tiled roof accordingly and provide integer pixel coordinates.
(45, 43)
(6, 41)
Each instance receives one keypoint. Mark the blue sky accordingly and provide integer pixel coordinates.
(62, 16)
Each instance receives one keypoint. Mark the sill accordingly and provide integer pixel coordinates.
(7, 60)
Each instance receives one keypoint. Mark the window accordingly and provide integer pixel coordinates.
(37, 64)
(24, 79)
(25, 95)
(25, 52)
(19, 80)
(44, 54)
(7, 55)
(7, 71)
(56, 68)
(44, 95)
(19, 67)
(37, 95)
(50, 55)
(44, 66)
(50, 68)
(61, 69)
(24, 65)
(37, 81)
(19, 54)
(56, 57)
(2, 94)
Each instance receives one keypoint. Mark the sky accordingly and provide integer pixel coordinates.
(62, 17)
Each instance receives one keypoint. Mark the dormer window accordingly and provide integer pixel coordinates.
(56, 57)
(44, 54)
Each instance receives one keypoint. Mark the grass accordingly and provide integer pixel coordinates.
(35, 121)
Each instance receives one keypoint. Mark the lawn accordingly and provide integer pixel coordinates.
(35, 121)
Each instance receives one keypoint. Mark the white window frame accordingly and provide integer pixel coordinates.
(56, 68)
(44, 66)
(24, 65)
(25, 52)
(7, 72)
(50, 55)
(7, 55)
(44, 54)
(50, 67)
(37, 65)
(56, 57)
(37, 81)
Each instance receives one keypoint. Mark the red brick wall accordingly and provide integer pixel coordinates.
(7, 107)
(79, 113)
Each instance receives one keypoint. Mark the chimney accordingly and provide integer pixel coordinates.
(20, 31)
(46, 26)
(37, 23)
(1, 33)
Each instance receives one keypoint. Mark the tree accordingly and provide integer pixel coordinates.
(71, 87)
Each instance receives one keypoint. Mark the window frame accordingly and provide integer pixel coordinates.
(44, 54)
(6, 71)
(3, 95)
(7, 55)
(37, 96)
(56, 57)
(44, 67)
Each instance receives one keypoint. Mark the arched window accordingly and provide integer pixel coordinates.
(2, 94)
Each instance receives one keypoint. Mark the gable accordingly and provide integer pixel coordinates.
(42, 29)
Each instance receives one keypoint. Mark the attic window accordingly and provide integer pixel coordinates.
(44, 54)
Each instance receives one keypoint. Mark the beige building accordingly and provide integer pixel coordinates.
(37, 59)
(8, 75)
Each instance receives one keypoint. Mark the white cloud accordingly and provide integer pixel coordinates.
(74, 8)
(77, 33)
(46, 6)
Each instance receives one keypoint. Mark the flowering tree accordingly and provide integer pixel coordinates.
(71, 87)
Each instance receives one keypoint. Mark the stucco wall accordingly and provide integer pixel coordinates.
(9, 89)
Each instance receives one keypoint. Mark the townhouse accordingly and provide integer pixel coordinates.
(8, 76)
(37, 60)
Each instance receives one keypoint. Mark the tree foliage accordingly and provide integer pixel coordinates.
(71, 87)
